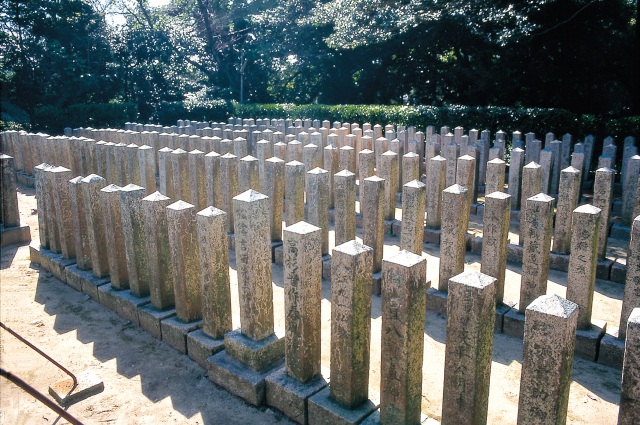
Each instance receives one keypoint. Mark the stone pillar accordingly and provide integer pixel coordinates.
(495, 234)
(410, 167)
(471, 313)
(535, 254)
(79, 219)
(39, 172)
(185, 260)
(466, 175)
(275, 186)
(60, 177)
(496, 169)
(403, 313)
(197, 179)
(345, 207)
(414, 195)
(294, 151)
(546, 164)
(294, 192)
(436, 178)
(629, 190)
(253, 260)
(165, 172)
(133, 164)
(213, 179)
(134, 239)
(531, 174)
(147, 167)
(550, 336)
(388, 170)
(180, 174)
(229, 174)
(602, 198)
(515, 177)
(248, 174)
(9, 214)
(91, 186)
(160, 265)
(240, 147)
(366, 169)
(116, 254)
(347, 159)
(581, 276)
(372, 206)
(317, 190)
(532, 153)
(451, 153)
(380, 146)
(49, 192)
(303, 295)
(556, 148)
(264, 151)
(214, 272)
(630, 391)
(631, 297)
(350, 323)
(568, 193)
(455, 200)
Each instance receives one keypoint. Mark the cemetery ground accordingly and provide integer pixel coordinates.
(147, 382)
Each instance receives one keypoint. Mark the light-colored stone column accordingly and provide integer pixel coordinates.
(436, 177)
(79, 219)
(197, 179)
(581, 277)
(602, 198)
(39, 172)
(495, 234)
(546, 165)
(147, 166)
(180, 174)
(294, 151)
(116, 254)
(154, 216)
(49, 192)
(165, 172)
(253, 261)
(62, 205)
(631, 297)
(515, 177)
(248, 174)
(455, 200)
(213, 179)
(466, 175)
(496, 169)
(471, 313)
(275, 186)
(345, 206)
(240, 147)
(229, 175)
(366, 169)
(350, 323)
(629, 190)
(414, 195)
(388, 171)
(303, 294)
(451, 153)
(347, 159)
(556, 148)
(549, 341)
(373, 218)
(535, 254)
(410, 167)
(380, 146)
(317, 190)
(630, 391)
(91, 186)
(294, 192)
(531, 177)
(568, 193)
(135, 239)
(214, 272)
(133, 164)
(403, 313)
(185, 260)
(331, 163)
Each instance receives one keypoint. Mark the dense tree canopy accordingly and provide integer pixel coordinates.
(581, 55)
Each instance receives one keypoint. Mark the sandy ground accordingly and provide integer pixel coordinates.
(147, 382)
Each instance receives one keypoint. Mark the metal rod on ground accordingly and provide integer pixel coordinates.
(39, 396)
(37, 350)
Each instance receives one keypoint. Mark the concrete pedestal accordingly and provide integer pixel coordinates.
(85, 281)
(588, 341)
(201, 346)
(611, 349)
(290, 396)
(151, 318)
(324, 411)
(14, 234)
(174, 332)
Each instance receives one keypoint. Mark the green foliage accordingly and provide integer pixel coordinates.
(12, 117)
(209, 110)
(54, 119)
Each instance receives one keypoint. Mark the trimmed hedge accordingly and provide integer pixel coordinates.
(494, 118)
(54, 119)
(210, 110)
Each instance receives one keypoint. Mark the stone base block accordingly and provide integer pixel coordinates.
(238, 379)
(326, 267)
(278, 255)
(255, 354)
(25, 179)
(514, 253)
(174, 332)
(85, 281)
(374, 419)
(629, 411)
(52, 262)
(476, 245)
(501, 310)
(618, 272)
(34, 253)
(107, 297)
(396, 227)
(88, 384)
(611, 349)
(559, 261)
(201, 346)
(232, 241)
(437, 301)
(376, 284)
(432, 236)
(471, 234)
(290, 396)
(603, 269)
(513, 323)
(275, 245)
(588, 340)
(14, 234)
(127, 305)
(620, 232)
(151, 318)
(324, 411)
(388, 227)
(480, 210)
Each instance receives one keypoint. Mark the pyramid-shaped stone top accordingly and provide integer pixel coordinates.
(344, 173)
(553, 305)
(352, 247)
(374, 179)
(570, 169)
(456, 188)
(250, 196)
(211, 211)
(405, 258)
(274, 159)
(346, 148)
(366, 151)
(498, 195)
(474, 278)
(302, 228)
(587, 209)
(415, 183)
(240, 139)
(410, 155)
(532, 164)
(389, 153)
(92, 178)
(60, 169)
(111, 188)
(178, 151)
(497, 161)
(76, 180)
(145, 147)
(196, 152)
(229, 155)
(132, 188)
(180, 205)
(167, 149)
(294, 163)
(317, 170)
(249, 158)
(155, 197)
(541, 197)
(132, 145)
